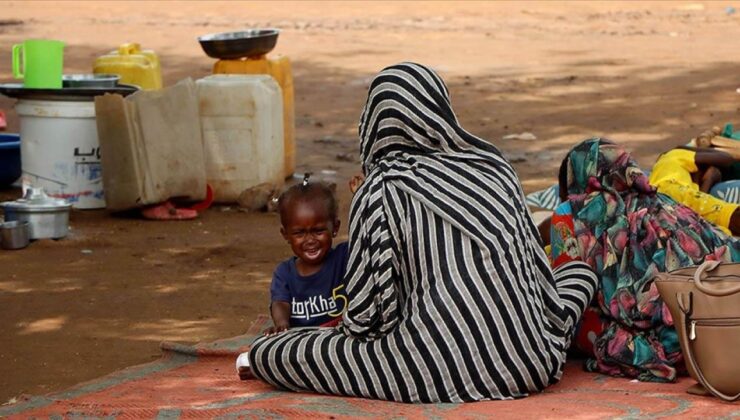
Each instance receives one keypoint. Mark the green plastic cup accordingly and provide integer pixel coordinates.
(41, 62)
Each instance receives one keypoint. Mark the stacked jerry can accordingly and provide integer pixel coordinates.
(279, 68)
(241, 120)
(134, 65)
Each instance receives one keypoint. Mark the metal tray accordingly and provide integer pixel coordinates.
(16, 90)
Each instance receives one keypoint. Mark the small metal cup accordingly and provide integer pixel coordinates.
(15, 234)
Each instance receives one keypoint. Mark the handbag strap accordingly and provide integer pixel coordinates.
(698, 282)
(689, 355)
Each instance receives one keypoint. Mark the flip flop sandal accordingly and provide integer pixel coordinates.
(168, 211)
(205, 204)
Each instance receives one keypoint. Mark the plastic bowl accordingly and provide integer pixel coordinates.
(235, 45)
(10, 159)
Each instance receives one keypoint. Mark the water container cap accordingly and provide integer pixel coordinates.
(129, 48)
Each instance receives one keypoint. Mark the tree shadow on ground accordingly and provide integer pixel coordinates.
(143, 282)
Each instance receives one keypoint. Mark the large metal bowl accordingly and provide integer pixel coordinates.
(235, 45)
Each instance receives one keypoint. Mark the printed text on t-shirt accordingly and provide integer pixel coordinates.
(318, 306)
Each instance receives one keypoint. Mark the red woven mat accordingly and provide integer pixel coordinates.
(200, 382)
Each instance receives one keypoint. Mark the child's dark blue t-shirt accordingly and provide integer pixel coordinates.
(315, 299)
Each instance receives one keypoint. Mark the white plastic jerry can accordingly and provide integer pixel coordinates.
(242, 123)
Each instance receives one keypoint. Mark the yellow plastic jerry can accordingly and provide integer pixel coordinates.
(279, 69)
(134, 65)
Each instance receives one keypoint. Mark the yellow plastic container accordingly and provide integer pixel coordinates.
(279, 69)
(134, 65)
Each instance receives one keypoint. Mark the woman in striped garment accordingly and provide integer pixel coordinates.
(451, 297)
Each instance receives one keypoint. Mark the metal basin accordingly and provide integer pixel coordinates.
(90, 80)
(235, 45)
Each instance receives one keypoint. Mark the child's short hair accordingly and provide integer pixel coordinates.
(308, 191)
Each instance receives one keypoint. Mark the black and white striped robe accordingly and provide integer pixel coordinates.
(451, 297)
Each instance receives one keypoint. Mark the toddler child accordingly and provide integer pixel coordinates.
(307, 290)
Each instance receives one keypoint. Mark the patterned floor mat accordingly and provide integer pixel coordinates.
(200, 382)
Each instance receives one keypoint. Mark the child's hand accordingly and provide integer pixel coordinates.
(356, 182)
(710, 177)
(277, 329)
(280, 312)
(735, 222)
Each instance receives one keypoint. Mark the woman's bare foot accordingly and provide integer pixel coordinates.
(245, 373)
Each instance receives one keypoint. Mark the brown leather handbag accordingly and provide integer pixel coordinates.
(705, 304)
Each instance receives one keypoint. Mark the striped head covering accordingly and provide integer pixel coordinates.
(408, 110)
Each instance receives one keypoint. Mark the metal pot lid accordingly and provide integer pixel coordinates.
(36, 200)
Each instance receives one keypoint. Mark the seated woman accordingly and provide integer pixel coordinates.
(614, 220)
(688, 176)
(451, 297)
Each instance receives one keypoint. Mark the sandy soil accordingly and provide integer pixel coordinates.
(650, 75)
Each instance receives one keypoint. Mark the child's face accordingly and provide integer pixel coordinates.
(309, 230)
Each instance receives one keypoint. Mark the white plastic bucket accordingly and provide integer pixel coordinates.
(242, 122)
(60, 152)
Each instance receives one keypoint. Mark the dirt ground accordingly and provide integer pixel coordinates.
(649, 75)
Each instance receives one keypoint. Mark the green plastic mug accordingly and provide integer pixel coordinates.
(42, 61)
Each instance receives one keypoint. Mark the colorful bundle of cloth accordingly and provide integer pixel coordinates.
(617, 223)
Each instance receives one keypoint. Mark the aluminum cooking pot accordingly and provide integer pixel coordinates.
(47, 217)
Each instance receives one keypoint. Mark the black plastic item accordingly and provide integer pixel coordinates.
(16, 90)
(10, 158)
(235, 45)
